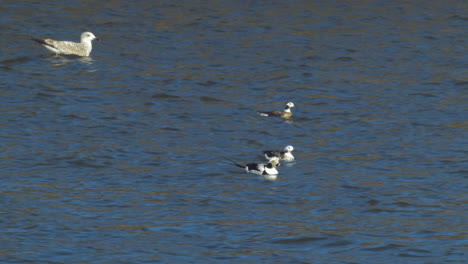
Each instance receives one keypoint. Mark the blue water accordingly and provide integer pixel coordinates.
(119, 157)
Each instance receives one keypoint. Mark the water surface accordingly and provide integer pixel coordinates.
(118, 158)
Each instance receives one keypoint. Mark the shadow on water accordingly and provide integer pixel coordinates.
(61, 60)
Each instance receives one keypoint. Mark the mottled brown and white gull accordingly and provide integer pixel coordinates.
(82, 49)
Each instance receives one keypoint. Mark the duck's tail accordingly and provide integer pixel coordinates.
(234, 163)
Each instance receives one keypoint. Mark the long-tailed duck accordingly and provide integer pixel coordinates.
(68, 47)
(285, 155)
(285, 114)
(260, 168)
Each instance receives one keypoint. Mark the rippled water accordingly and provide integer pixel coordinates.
(118, 158)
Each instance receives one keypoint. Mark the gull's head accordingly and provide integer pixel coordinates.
(289, 105)
(87, 36)
(289, 148)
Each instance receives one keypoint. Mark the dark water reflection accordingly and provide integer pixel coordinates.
(117, 158)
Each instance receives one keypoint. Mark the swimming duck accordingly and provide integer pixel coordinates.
(285, 114)
(260, 168)
(285, 155)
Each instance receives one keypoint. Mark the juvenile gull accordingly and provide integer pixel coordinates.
(68, 47)
(285, 114)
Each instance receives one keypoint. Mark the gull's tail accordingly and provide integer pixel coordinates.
(42, 41)
(39, 40)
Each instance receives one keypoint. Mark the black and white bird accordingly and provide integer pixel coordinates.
(82, 49)
(260, 168)
(284, 114)
(285, 155)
